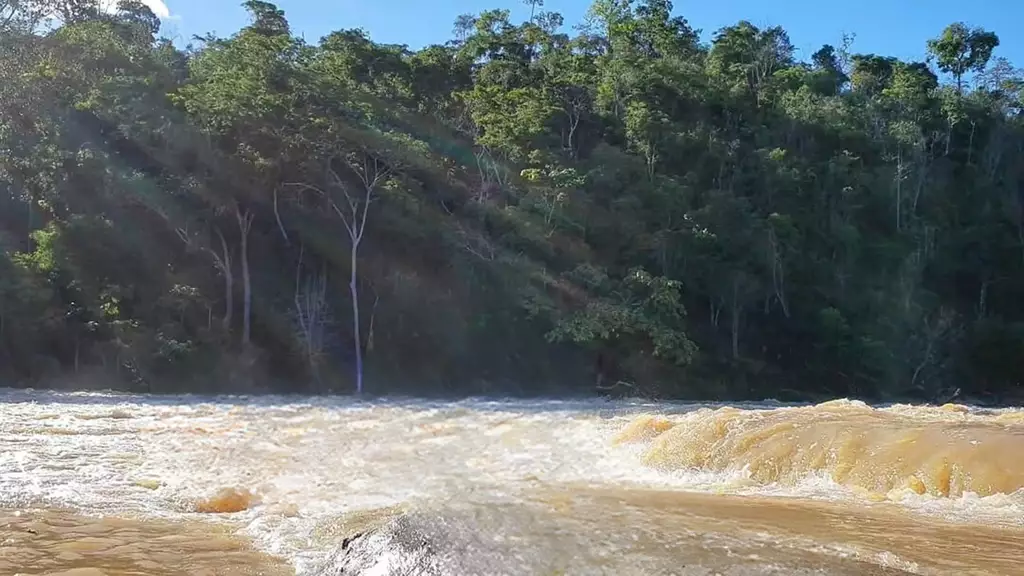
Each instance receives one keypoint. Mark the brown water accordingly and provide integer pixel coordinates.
(53, 542)
(94, 484)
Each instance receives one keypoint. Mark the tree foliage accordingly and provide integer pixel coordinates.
(519, 210)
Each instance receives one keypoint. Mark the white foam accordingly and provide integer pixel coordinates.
(322, 457)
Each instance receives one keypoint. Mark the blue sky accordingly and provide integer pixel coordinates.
(891, 27)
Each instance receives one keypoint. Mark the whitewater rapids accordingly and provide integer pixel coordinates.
(98, 484)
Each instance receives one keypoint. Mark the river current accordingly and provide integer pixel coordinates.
(95, 484)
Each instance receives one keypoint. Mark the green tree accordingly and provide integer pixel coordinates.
(960, 50)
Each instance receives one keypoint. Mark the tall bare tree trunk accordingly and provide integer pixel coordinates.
(224, 264)
(311, 312)
(371, 173)
(353, 287)
(244, 226)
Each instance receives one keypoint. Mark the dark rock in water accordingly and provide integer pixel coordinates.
(414, 545)
(517, 540)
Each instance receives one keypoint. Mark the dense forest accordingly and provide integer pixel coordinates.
(530, 208)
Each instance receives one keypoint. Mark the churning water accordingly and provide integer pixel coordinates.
(102, 484)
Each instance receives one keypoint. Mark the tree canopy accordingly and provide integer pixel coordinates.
(520, 210)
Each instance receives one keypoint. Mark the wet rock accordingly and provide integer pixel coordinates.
(412, 544)
(515, 540)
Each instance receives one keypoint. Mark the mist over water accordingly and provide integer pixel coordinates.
(324, 486)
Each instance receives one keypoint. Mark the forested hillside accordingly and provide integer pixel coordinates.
(530, 208)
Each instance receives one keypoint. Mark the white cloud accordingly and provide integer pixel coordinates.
(157, 6)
